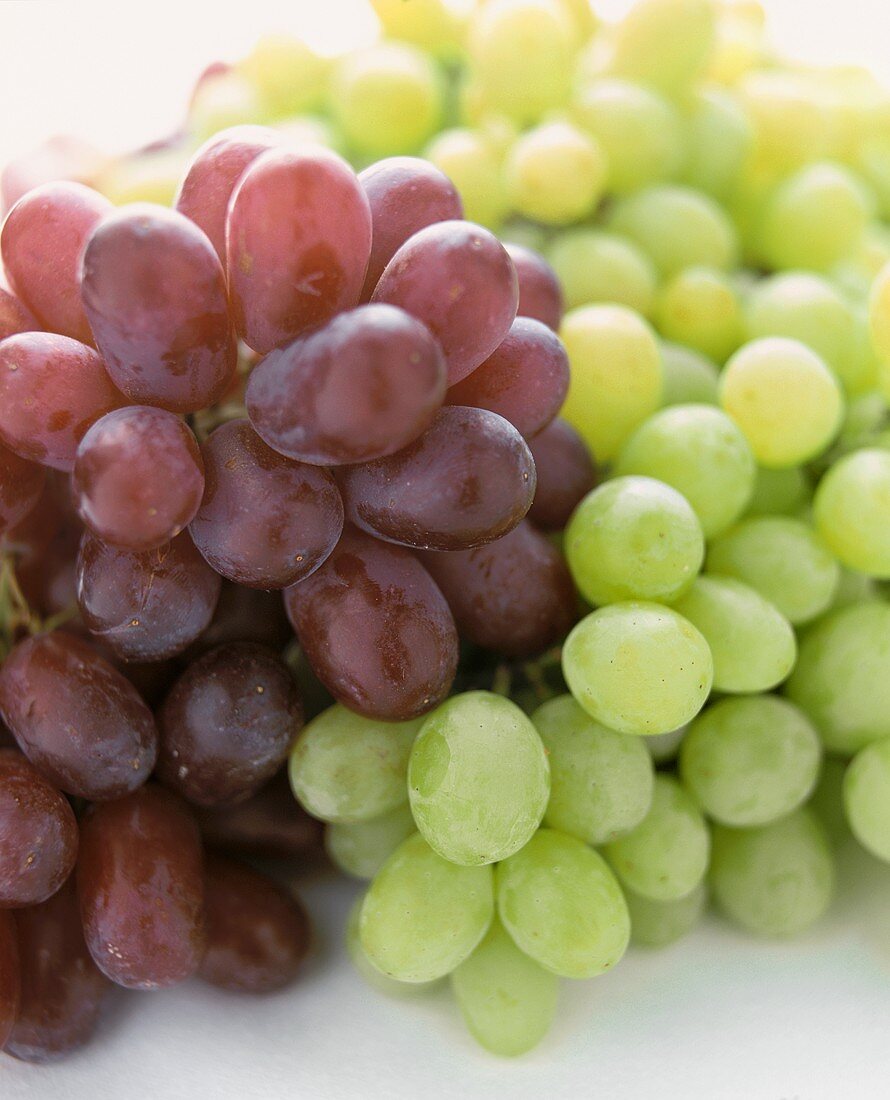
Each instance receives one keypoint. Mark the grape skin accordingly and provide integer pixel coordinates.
(540, 292)
(10, 976)
(21, 483)
(14, 317)
(565, 474)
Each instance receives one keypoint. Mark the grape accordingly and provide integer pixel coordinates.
(666, 856)
(700, 452)
(430, 24)
(638, 667)
(879, 313)
(866, 797)
(381, 982)
(659, 923)
(364, 386)
(851, 508)
(751, 641)
(458, 280)
(663, 747)
(478, 779)
(258, 934)
(10, 977)
(778, 492)
(43, 240)
(525, 380)
(76, 718)
(298, 240)
(221, 99)
(555, 174)
(287, 74)
(265, 521)
(616, 374)
(540, 293)
(405, 194)
(514, 596)
(666, 43)
(827, 801)
(422, 915)
(718, 137)
(594, 266)
(245, 615)
(360, 848)
(507, 1000)
(561, 905)
(565, 474)
(140, 883)
(62, 989)
(74, 390)
(699, 307)
(775, 880)
(155, 296)
(14, 317)
(376, 629)
(433, 495)
(634, 538)
(783, 559)
(689, 377)
(791, 125)
(21, 484)
(472, 160)
(600, 781)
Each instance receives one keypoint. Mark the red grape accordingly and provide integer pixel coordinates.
(140, 881)
(21, 483)
(10, 976)
(566, 474)
(245, 615)
(13, 316)
(155, 296)
(540, 295)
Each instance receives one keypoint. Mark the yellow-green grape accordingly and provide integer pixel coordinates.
(689, 377)
(751, 641)
(779, 492)
(866, 373)
(524, 234)
(508, 1001)
(660, 923)
(638, 667)
(478, 778)
(827, 801)
(677, 227)
(864, 423)
(386, 99)
(433, 25)
(616, 374)
(367, 970)
(852, 511)
(309, 130)
(854, 588)
(738, 45)
(474, 166)
(663, 747)
(562, 905)
(718, 138)
(879, 324)
(701, 453)
(750, 761)
(665, 43)
(522, 55)
(842, 677)
(422, 916)
(288, 75)
(360, 848)
(791, 125)
(699, 307)
(227, 99)
(776, 879)
(666, 856)
(634, 538)
(345, 767)
(783, 559)
(600, 780)
(867, 798)
(873, 162)
(784, 398)
(555, 174)
(594, 266)
(144, 177)
(638, 130)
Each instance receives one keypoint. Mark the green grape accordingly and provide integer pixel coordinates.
(852, 511)
(776, 879)
(227, 99)
(616, 374)
(791, 125)
(663, 747)
(827, 801)
(864, 422)
(842, 677)
(422, 916)
(562, 905)
(345, 767)
(634, 538)
(660, 923)
(432, 25)
(360, 848)
(750, 761)
(666, 43)
(853, 588)
(473, 165)
(152, 176)
(752, 643)
(779, 492)
(583, 16)
(368, 970)
(638, 667)
(308, 130)
(526, 234)
(637, 129)
(594, 266)
(879, 323)
(677, 227)
(867, 797)
(783, 559)
(719, 139)
(699, 307)
(739, 45)
(507, 1000)
(600, 781)
(689, 377)
(666, 856)
(702, 454)
(478, 778)
(555, 174)
(290, 78)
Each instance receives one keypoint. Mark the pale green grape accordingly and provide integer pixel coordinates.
(783, 559)
(634, 538)
(478, 778)
(308, 130)
(345, 767)
(751, 641)
(663, 747)
(555, 174)
(638, 667)
(562, 906)
(701, 453)
(508, 1001)
(422, 916)
(779, 492)
(360, 848)
(699, 307)
(776, 879)
(719, 139)
(594, 266)
(689, 378)
(864, 423)
(227, 99)
(659, 923)
(879, 324)
(600, 781)
(750, 761)
(374, 977)
(827, 801)
(852, 511)
(867, 797)
(433, 25)
(473, 165)
(666, 856)
(854, 588)
(666, 43)
(288, 75)
(791, 125)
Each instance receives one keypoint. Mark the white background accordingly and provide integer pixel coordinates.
(717, 1017)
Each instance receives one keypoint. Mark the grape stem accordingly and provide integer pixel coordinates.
(16, 616)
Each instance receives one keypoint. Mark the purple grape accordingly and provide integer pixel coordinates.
(10, 976)
(566, 474)
(540, 295)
